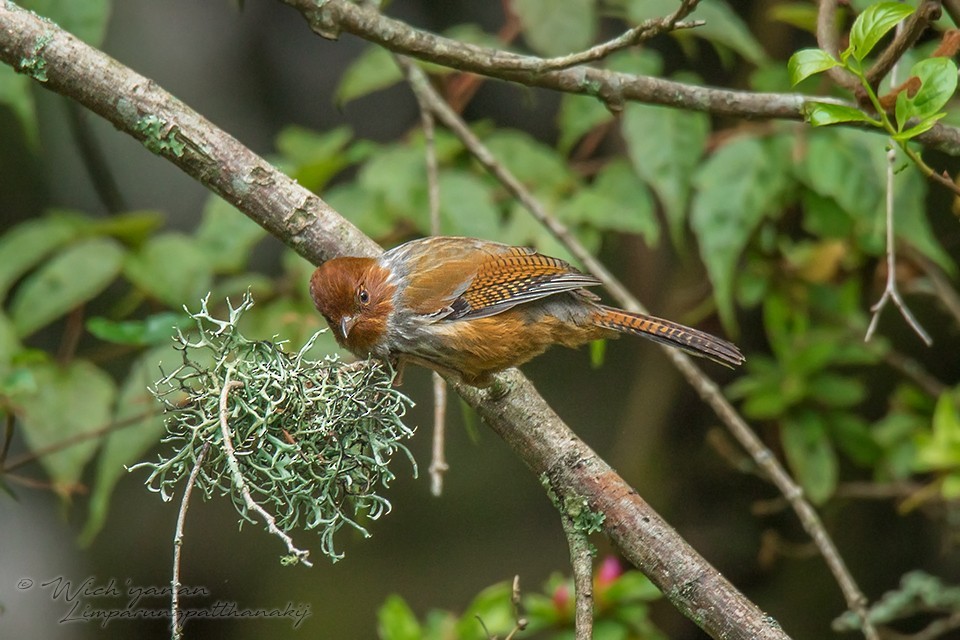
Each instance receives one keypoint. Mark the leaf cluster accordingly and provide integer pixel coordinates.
(621, 603)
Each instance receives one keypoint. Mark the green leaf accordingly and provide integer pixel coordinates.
(313, 157)
(362, 207)
(226, 236)
(125, 445)
(67, 402)
(938, 82)
(533, 163)
(578, 116)
(739, 185)
(811, 455)
(616, 201)
(821, 113)
(801, 15)
(874, 23)
(71, 278)
(131, 227)
(397, 177)
(396, 620)
(722, 24)
(554, 28)
(466, 206)
(25, 245)
(492, 605)
(921, 127)
(665, 146)
(171, 267)
(87, 19)
(153, 330)
(835, 390)
(373, 70)
(632, 586)
(808, 62)
(853, 437)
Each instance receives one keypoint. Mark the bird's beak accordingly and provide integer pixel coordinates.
(346, 324)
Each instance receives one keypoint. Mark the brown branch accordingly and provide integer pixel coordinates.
(952, 8)
(519, 415)
(176, 627)
(644, 31)
(706, 388)
(581, 560)
(334, 16)
(828, 39)
(912, 29)
(303, 221)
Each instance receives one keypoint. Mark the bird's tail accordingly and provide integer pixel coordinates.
(669, 333)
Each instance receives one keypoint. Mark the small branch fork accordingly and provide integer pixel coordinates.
(643, 31)
(890, 291)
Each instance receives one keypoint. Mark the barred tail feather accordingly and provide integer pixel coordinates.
(692, 341)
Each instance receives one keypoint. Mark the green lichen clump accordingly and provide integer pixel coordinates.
(312, 439)
(160, 136)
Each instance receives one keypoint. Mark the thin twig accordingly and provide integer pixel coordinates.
(913, 370)
(240, 484)
(942, 288)
(828, 39)
(890, 292)
(705, 387)
(94, 160)
(953, 10)
(643, 31)
(7, 438)
(520, 623)
(27, 458)
(907, 35)
(936, 629)
(581, 559)
(438, 462)
(72, 331)
(176, 627)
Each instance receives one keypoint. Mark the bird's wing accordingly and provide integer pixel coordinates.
(463, 278)
(516, 276)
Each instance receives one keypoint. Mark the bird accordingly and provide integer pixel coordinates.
(472, 308)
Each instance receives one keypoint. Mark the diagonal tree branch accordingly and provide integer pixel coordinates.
(331, 17)
(512, 408)
(707, 389)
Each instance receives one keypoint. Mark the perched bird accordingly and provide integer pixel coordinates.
(473, 308)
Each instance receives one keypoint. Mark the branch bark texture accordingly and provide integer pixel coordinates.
(513, 408)
(330, 18)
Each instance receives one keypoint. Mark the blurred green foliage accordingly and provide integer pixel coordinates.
(621, 605)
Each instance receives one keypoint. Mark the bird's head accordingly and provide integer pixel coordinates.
(355, 297)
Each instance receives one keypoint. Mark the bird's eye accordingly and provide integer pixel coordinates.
(363, 296)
